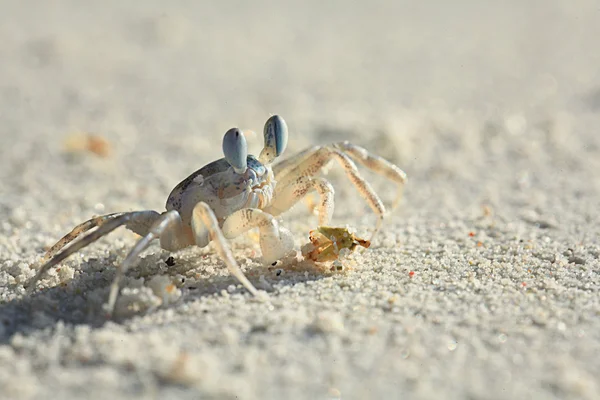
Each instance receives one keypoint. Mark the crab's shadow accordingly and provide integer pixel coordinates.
(79, 302)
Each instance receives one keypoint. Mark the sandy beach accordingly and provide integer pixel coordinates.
(483, 284)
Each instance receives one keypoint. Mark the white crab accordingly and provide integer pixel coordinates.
(231, 196)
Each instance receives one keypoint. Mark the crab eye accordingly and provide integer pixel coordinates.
(276, 135)
(235, 150)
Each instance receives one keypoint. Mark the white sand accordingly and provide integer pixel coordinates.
(493, 111)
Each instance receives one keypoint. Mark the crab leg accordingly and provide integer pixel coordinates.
(105, 224)
(78, 230)
(168, 222)
(204, 221)
(283, 167)
(275, 241)
(376, 164)
(313, 163)
(359, 154)
(286, 196)
(139, 224)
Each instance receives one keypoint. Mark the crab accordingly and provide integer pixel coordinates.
(231, 196)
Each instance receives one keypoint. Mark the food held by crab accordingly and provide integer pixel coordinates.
(329, 244)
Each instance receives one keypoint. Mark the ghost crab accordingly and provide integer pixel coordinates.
(230, 196)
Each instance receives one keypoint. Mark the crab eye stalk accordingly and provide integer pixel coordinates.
(235, 150)
(276, 137)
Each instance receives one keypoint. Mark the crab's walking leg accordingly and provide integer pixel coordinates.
(275, 240)
(137, 221)
(205, 222)
(313, 163)
(376, 164)
(76, 232)
(283, 167)
(359, 154)
(105, 224)
(286, 196)
(167, 225)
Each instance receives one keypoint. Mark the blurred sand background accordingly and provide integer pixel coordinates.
(492, 108)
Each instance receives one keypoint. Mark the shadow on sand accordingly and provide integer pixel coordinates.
(80, 300)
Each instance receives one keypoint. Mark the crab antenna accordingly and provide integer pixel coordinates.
(276, 137)
(235, 150)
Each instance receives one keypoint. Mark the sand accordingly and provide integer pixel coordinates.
(483, 284)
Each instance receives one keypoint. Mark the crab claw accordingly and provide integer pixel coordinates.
(275, 242)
